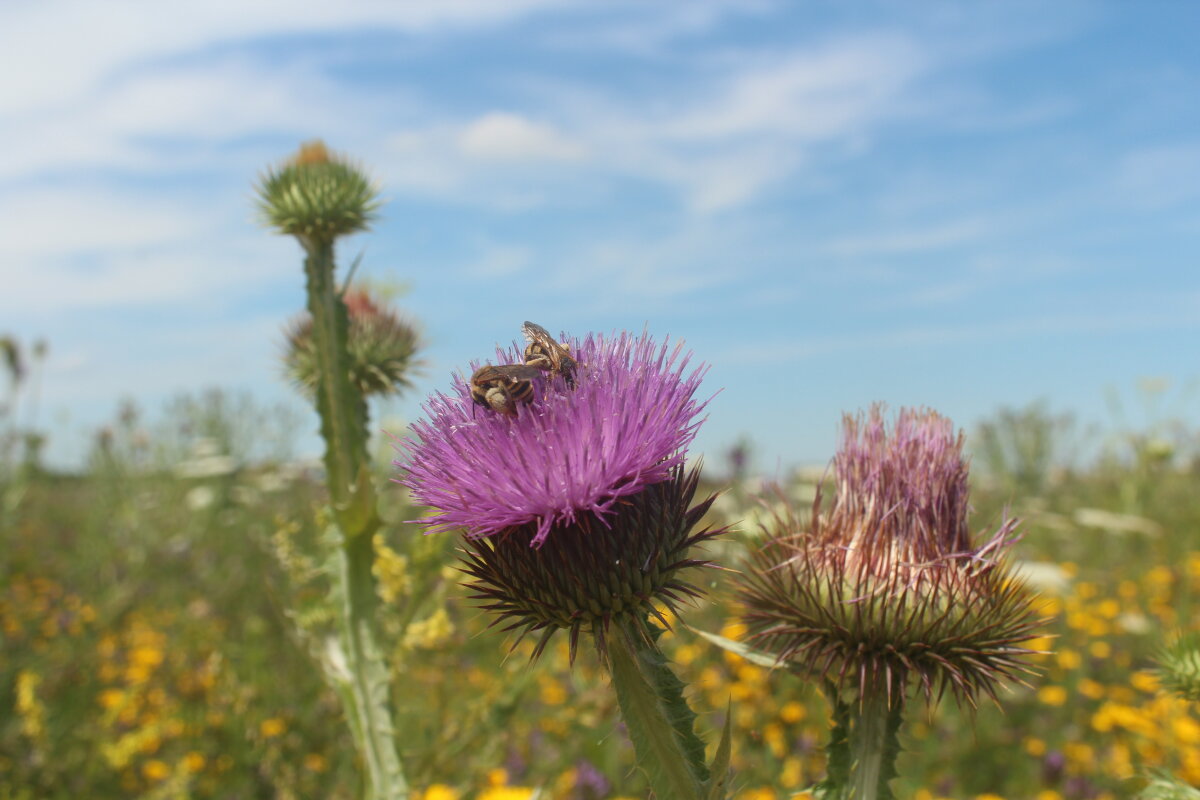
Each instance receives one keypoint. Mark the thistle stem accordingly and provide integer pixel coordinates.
(368, 672)
(659, 721)
(875, 718)
(343, 415)
(343, 410)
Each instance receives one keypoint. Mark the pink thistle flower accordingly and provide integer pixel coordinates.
(887, 583)
(568, 453)
(577, 510)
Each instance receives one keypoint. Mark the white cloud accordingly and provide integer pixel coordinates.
(938, 237)
(505, 136)
(67, 49)
(501, 261)
(48, 224)
(719, 147)
(161, 277)
(1159, 176)
(132, 123)
(76, 248)
(1170, 314)
(810, 95)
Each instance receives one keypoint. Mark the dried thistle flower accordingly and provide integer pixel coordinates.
(382, 346)
(317, 196)
(577, 510)
(887, 583)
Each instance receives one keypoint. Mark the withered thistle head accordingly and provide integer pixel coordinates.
(886, 583)
(382, 347)
(576, 510)
(317, 196)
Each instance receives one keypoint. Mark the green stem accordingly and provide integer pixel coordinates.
(876, 716)
(369, 678)
(656, 714)
(343, 413)
(343, 410)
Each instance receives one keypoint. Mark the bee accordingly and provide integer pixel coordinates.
(501, 387)
(546, 353)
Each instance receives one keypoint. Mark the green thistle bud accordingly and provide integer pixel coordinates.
(381, 345)
(1179, 667)
(589, 574)
(887, 584)
(317, 197)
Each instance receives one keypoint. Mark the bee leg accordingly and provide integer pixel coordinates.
(499, 400)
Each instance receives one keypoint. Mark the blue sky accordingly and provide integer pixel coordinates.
(956, 205)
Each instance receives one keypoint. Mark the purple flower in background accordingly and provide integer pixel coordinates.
(576, 511)
(569, 452)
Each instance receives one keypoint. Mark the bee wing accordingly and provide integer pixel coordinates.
(516, 372)
(535, 333)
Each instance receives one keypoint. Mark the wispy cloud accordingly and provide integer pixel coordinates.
(505, 136)
(69, 49)
(1157, 177)
(1169, 314)
(910, 240)
(719, 145)
(74, 248)
(497, 261)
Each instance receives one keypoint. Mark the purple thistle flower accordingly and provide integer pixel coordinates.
(577, 510)
(887, 583)
(569, 452)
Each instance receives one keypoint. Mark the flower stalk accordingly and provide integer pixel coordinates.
(317, 198)
(659, 720)
(884, 588)
(874, 724)
(577, 515)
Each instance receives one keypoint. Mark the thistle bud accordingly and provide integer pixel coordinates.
(317, 197)
(1179, 667)
(887, 583)
(576, 511)
(381, 346)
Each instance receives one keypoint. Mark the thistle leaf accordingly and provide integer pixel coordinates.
(758, 657)
(836, 784)
(718, 784)
(658, 719)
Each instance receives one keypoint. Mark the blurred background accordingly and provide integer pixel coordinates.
(961, 207)
(992, 209)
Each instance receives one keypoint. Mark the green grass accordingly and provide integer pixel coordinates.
(159, 637)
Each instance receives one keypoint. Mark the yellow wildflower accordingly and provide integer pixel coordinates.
(506, 793)
(155, 770)
(270, 728)
(792, 712)
(1186, 730)
(29, 706)
(431, 632)
(1052, 695)
(792, 773)
(1069, 659)
(762, 793)
(553, 693)
(1144, 681)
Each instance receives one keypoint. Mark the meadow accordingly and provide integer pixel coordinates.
(162, 621)
(197, 614)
